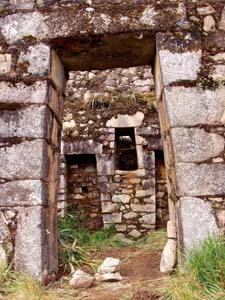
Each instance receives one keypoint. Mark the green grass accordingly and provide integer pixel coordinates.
(21, 286)
(75, 243)
(202, 276)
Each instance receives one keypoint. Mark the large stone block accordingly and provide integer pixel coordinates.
(179, 66)
(33, 237)
(195, 145)
(190, 107)
(38, 58)
(200, 179)
(26, 160)
(197, 220)
(23, 94)
(23, 193)
(30, 122)
(17, 26)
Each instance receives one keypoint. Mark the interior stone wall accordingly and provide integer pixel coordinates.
(95, 107)
(189, 80)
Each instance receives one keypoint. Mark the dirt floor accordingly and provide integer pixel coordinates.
(141, 276)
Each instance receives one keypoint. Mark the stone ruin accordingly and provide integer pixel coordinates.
(109, 157)
(41, 42)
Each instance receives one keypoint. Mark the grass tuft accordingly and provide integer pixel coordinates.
(203, 275)
(21, 286)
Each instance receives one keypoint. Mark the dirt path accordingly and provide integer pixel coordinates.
(141, 277)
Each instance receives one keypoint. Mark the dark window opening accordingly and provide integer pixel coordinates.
(84, 189)
(126, 153)
(79, 159)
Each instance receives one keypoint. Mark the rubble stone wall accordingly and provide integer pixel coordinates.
(96, 106)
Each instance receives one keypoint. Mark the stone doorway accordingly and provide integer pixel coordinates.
(83, 195)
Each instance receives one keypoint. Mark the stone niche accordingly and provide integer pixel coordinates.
(112, 150)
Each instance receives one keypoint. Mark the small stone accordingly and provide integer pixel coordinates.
(91, 76)
(218, 57)
(219, 73)
(168, 260)
(121, 227)
(108, 207)
(134, 233)
(148, 219)
(68, 117)
(143, 193)
(87, 97)
(121, 198)
(205, 10)
(81, 279)
(122, 238)
(130, 215)
(9, 214)
(109, 265)
(109, 277)
(69, 125)
(141, 207)
(209, 24)
(160, 194)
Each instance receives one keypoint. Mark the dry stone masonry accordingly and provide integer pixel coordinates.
(40, 43)
(105, 178)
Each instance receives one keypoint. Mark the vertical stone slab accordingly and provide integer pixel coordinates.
(189, 151)
(31, 244)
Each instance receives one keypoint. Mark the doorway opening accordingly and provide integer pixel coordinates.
(83, 195)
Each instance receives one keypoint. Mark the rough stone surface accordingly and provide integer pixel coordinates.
(218, 73)
(209, 24)
(18, 26)
(21, 93)
(38, 59)
(31, 220)
(200, 179)
(22, 4)
(24, 160)
(168, 259)
(81, 279)
(29, 122)
(23, 193)
(108, 277)
(109, 265)
(189, 107)
(205, 10)
(195, 145)
(179, 66)
(134, 233)
(197, 219)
